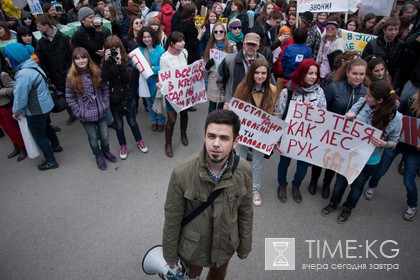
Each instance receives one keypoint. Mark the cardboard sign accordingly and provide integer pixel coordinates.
(356, 41)
(328, 140)
(35, 7)
(259, 129)
(184, 86)
(218, 57)
(318, 6)
(410, 132)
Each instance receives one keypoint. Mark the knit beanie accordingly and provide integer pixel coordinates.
(84, 12)
(307, 16)
(284, 29)
(17, 53)
(234, 22)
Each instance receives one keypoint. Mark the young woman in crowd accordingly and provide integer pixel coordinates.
(411, 158)
(237, 10)
(268, 8)
(152, 51)
(353, 24)
(192, 36)
(117, 71)
(110, 13)
(331, 47)
(35, 105)
(304, 87)
(218, 41)
(376, 70)
(341, 95)
(211, 19)
(368, 23)
(5, 33)
(175, 56)
(7, 123)
(218, 8)
(291, 22)
(155, 24)
(235, 35)
(256, 89)
(25, 37)
(285, 39)
(87, 95)
(376, 109)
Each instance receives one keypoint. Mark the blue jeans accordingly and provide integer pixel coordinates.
(155, 117)
(412, 163)
(131, 120)
(301, 169)
(356, 187)
(109, 118)
(386, 161)
(257, 164)
(215, 105)
(43, 134)
(97, 131)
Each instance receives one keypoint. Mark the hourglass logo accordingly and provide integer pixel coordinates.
(279, 254)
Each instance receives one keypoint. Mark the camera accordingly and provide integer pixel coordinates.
(114, 52)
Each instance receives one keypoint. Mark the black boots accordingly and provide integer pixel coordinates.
(20, 152)
(169, 131)
(325, 191)
(312, 187)
(184, 124)
(15, 152)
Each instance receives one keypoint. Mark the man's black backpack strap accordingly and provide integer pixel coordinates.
(197, 211)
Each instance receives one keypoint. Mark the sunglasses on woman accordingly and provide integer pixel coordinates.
(218, 32)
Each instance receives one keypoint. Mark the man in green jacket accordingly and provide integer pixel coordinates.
(225, 226)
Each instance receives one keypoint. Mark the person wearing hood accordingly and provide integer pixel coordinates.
(73, 13)
(87, 37)
(28, 20)
(32, 98)
(165, 16)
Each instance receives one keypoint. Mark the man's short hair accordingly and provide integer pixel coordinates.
(276, 14)
(300, 35)
(224, 117)
(392, 21)
(44, 20)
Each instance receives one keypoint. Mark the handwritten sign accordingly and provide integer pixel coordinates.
(318, 6)
(259, 129)
(328, 140)
(139, 61)
(356, 41)
(35, 7)
(184, 86)
(218, 57)
(410, 132)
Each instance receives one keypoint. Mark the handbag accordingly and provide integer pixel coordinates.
(159, 103)
(58, 97)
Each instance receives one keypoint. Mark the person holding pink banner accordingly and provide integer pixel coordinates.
(176, 55)
(376, 109)
(304, 87)
(256, 89)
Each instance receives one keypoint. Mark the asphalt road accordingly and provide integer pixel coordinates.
(77, 222)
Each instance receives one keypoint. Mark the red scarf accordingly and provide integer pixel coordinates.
(173, 51)
(5, 37)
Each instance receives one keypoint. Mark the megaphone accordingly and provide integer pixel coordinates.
(154, 263)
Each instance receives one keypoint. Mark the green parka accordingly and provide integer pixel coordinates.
(220, 230)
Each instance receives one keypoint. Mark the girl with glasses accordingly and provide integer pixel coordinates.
(218, 41)
(235, 35)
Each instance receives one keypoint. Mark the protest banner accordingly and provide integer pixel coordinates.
(184, 86)
(318, 6)
(377, 7)
(139, 61)
(410, 132)
(35, 7)
(259, 129)
(218, 57)
(328, 140)
(356, 41)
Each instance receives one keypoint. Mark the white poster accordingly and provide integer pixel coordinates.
(259, 129)
(35, 7)
(328, 140)
(139, 61)
(317, 6)
(377, 7)
(218, 57)
(184, 86)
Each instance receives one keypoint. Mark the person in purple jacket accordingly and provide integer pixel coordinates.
(88, 97)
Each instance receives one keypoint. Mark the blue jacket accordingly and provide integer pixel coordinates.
(31, 93)
(292, 56)
(154, 60)
(391, 133)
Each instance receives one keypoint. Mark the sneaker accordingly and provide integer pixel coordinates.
(256, 198)
(344, 216)
(369, 193)
(100, 161)
(281, 193)
(296, 194)
(328, 209)
(109, 156)
(123, 152)
(47, 165)
(410, 213)
(142, 147)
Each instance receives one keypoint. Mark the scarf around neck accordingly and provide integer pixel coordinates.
(220, 46)
(173, 51)
(234, 38)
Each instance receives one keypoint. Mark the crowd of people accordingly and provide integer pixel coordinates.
(273, 56)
